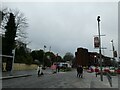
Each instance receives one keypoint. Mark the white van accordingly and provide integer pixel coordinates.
(62, 64)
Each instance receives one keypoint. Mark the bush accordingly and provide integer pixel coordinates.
(65, 69)
(68, 69)
(113, 73)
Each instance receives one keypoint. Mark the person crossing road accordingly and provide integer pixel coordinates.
(80, 71)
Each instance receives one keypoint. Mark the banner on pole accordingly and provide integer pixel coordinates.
(96, 42)
(115, 53)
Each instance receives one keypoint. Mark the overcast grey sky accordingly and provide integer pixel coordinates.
(65, 26)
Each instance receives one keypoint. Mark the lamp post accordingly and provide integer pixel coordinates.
(113, 50)
(44, 55)
(101, 73)
(95, 62)
(13, 52)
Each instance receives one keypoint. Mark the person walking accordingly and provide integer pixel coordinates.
(53, 68)
(79, 71)
(58, 68)
(96, 71)
(39, 70)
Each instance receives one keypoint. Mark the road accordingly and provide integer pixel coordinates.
(59, 80)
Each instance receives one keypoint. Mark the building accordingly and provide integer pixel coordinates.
(85, 58)
(82, 57)
(93, 58)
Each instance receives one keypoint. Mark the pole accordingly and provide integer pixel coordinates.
(44, 55)
(11, 72)
(113, 49)
(101, 74)
(50, 49)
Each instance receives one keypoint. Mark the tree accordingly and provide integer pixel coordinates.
(20, 23)
(68, 57)
(59, 59)
(1, 18)
(28, 59)
(37, 55)
(22, 56)
(50, 58)
(9, 40)
(13, 25)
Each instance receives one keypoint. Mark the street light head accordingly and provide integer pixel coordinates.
(111, 40)
(95, 56)
(98, 18)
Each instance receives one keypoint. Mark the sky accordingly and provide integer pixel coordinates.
(66, 26)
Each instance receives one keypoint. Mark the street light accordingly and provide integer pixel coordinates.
(101, 74)
(44, 55)
(113, 50)
(13, 52)
(95, 62)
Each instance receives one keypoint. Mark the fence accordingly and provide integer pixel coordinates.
(18, 66)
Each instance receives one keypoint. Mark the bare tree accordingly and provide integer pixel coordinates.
(13, 26)
(20, 21)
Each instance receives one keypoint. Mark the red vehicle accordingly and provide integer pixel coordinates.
(118, 70)
(107, 70)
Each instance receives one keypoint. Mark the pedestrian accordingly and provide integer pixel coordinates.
(58, 68)
(96, 71)
(53, 68)
(80, 71)
(39, 70)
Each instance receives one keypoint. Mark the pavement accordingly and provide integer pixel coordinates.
(22, 73)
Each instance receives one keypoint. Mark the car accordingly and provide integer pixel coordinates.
(106, 69)
(89, 71)
(117, 70)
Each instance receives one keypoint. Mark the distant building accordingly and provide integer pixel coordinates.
(82, 57)
(85, 58)
(93, 58)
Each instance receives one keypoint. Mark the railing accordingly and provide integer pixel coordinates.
(6, 56)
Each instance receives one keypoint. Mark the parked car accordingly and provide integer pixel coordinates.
(106, 69)
(91, 69)
(118, 71)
